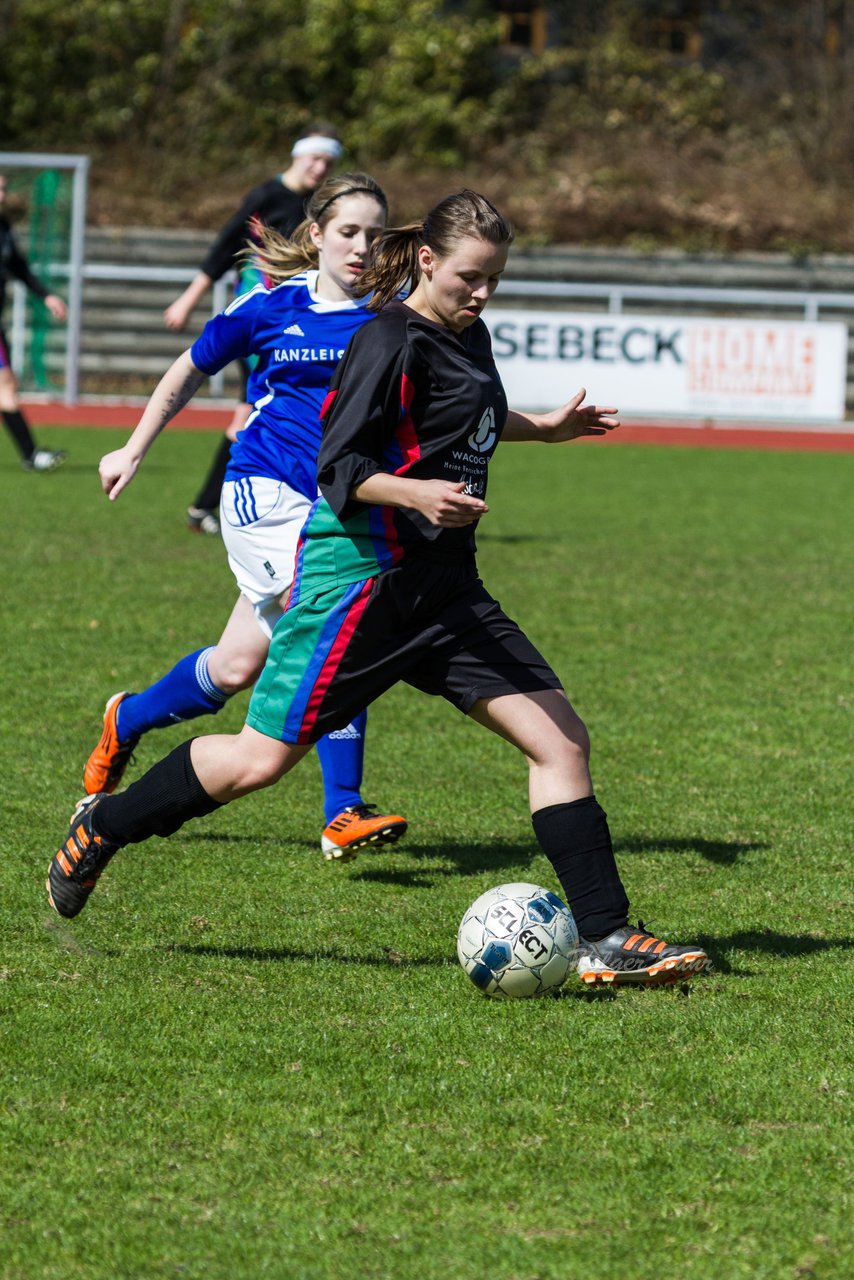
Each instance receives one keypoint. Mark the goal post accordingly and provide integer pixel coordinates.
(55, 244)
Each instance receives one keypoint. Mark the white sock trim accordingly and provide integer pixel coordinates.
(204, 681)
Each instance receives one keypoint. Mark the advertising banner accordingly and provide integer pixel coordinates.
(665, 365)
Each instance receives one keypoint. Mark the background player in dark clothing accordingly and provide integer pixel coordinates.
(278, 203)
(13, 262)
(386, 589)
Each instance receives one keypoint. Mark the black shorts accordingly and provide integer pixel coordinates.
(431, 624)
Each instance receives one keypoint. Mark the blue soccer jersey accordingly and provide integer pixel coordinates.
(299, 339)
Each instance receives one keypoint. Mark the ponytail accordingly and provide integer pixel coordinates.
(278, 258)
(394, 265)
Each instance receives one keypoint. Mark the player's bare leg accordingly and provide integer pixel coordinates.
(572, 830)
(233, 765)
(551, 736)
(238, 657)
(232, 664)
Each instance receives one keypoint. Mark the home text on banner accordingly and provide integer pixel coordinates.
(666, 365)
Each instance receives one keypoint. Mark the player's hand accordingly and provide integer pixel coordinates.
(448, 506)
(116, 470)
(576, 419)
(56, 307)
(175, 316)
(238, 420)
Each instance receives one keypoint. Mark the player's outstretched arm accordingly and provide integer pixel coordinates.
(570, 421)
(56, 307)
(176, 388)
(178, 312)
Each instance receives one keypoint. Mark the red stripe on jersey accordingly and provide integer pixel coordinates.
(333, 658)
(395, 550)
(327, 403)
(406, 435)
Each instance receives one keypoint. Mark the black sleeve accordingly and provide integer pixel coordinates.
(362, 411)
(17, 264)
(232, 237)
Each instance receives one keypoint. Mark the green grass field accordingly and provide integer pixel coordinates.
(242, 1062)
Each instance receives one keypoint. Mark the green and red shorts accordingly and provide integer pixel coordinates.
(430, 623)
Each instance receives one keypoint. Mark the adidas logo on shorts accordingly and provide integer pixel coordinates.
(348, 732)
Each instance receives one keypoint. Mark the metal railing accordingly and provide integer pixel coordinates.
(615, 295)
(614, 298)
(113, 273)
(811, 303)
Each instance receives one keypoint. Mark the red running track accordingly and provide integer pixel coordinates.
(824, 438)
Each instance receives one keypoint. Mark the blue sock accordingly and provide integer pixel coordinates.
(342, 758)
(183, 693)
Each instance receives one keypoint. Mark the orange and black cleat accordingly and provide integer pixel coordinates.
(106, 766)
(75, 869)
(633, 956)
(356, 827)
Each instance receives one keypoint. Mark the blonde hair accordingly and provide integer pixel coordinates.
(280, 258)
(394, 265)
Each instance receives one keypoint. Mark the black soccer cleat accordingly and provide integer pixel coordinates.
(75, 869)
(44, 460)
(201, 520)
(633, 956)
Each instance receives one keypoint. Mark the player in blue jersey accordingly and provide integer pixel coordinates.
(298, 330)
(386, 589)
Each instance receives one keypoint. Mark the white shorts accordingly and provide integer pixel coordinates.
(261, 521)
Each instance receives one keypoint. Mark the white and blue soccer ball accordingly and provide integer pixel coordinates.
(517, 940)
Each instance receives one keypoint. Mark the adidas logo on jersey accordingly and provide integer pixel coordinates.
(294, 329)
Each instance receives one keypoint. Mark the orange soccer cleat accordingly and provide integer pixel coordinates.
(357, 826)
(107, 763)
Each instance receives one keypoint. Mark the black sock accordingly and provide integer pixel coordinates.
(20, 432)
(208, 496)
(157, 805)
(576, 840)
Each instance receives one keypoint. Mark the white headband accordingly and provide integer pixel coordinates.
(316, 144)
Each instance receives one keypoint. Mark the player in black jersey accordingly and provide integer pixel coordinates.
(13, 262)
(278, 203)
(386, 589)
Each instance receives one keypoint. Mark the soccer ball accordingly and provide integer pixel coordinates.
(517, 940)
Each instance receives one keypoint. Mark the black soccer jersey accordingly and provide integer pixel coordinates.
(272, 204)
(410, 398)
(13, 262)
(413, 398)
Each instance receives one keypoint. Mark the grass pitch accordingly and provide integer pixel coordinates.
(242, 1062)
